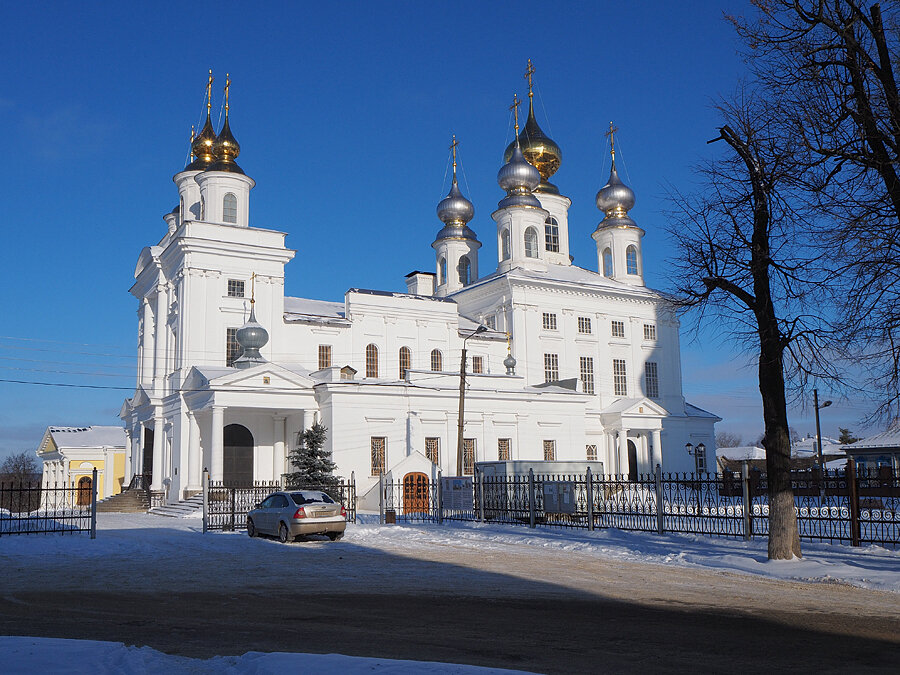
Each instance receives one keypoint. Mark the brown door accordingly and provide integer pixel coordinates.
(83, 497)
(415, 493)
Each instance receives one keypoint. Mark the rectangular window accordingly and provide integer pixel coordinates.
(700, 460)
(468, 456)
(584, 325)
(650, 332)
(620, 382)
(618, 329)
(491, 322)
(503, 449)
(549, 321)
(549, 451)
(587, 374)
(232, 348)
(235, 288)
(324, 356)
(433, 450)
(477, 364)
(651, 379)
(551, 367)
(378, 444)
(591, 452)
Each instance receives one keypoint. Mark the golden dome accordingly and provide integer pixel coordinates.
(226, 149)
(540, 150)
(202, 147)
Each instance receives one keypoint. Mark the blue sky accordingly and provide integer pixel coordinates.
(344, 113)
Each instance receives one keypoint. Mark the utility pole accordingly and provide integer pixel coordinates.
(462, 402)
(818, 430)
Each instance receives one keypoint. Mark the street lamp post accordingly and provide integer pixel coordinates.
(462, 401)
(818, 430)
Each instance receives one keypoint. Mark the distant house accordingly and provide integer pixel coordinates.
(879, 450)
(70, 454)
(803, 455)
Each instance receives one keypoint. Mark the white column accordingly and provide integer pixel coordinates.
(138, 440)
(278, 450)
(657, 449)
(195, 453)
(623, 451)
(158, 438)
(216, 449)
(129, 449)
(108, 463)
(159, 365)
(147, 344)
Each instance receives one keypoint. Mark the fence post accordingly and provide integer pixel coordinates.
(93, 504)
(589, 493)
(205, 481)
(380, 498)
(745, 489)
(352, 496)
(853, 492)
(440, 497)
(233, 496)
(660, 512)
(481, 496)
(531, 519)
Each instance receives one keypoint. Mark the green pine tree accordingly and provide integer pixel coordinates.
(311, 462)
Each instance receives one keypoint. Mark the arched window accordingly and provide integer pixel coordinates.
(551, 235)
(607, 262)
(371, 361)
(504, 244)
(531, 243)
(631, 265)
(229, 208)
(202, 208)
(442, 271)
(465, 268)
(437, 360)
(405, 356)
(181, 211)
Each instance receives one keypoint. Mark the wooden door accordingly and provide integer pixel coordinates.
(415, 493)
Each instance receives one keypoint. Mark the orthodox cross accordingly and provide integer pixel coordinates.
(209, 92)
(227, 86)
(453, 147)
(612, 141)
(192, 142)
(253, 288)
(515, 108)
(529, 71)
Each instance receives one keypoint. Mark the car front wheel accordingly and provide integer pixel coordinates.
(251, 528)
(284, 536)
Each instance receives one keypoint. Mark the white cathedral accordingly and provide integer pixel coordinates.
(563, 363)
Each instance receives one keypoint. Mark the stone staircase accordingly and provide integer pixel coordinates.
(133, 500)
(183, 509)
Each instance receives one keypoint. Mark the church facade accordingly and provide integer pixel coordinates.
(562, 363)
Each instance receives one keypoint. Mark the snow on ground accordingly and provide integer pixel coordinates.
(88, 657)
(226, 555)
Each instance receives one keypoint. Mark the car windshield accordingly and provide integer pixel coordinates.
(301, 498)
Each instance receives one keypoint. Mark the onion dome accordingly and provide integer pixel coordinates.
(226, 149)
(519, 179)
(510, 363)
(202, 147)
(455, 210)
(538, 149)
(251, 337)
(615, 199)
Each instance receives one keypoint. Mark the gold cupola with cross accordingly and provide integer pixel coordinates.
(539, 149)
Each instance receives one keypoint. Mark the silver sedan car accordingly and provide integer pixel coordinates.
(290, 514)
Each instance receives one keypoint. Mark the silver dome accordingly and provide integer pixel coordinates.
(615, 196)
(456, 231)
(454, 209)
(251, 337)
(519, 179)
(510, 363)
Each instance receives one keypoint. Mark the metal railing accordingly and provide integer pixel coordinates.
(32, 508)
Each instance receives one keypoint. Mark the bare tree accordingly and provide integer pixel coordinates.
(829, 68)
(20, 468)
(726, 439)
(744, 255)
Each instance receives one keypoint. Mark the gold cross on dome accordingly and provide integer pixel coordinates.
(453, 147)
(612, 139)
(253, 288)
(529, 71)
(209, 92)
(515, 108)
(227, 87)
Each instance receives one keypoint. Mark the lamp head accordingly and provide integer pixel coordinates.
(825, 405)
(689, 447)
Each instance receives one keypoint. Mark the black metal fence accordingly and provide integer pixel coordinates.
(226, 505)
(839, 506)
(31, 508)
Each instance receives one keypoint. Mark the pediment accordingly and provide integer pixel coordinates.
(266, 376)
(636, 407)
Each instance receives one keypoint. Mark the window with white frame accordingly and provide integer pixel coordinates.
(700, 459)
(650, 332)
(433, 450)
(378, 444)
(503, 449)
(491, 322)
(631, 261)
(371, 361)
(591, 452)
(465, 271)
(405, 358)
(232, 348)
(620, 380)
(607, 262)
(442, 271)
(549, 451)
(618, 329)
(478, 365)
(551, 367)
(468, 456)
(235, 288)
(504, 245)
(584, 325)
(651, 379)
(587, 374)
(549, 321)
(324, 356)
(437, 360)
(229, 208)
(531, 243)
(551, 234)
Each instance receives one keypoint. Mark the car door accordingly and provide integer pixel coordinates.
(263, 516)
(279, 506)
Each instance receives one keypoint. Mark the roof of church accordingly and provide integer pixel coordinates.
(307, 307)
(88, 437)
(567, 274)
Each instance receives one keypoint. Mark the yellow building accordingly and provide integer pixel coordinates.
(70, 455)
